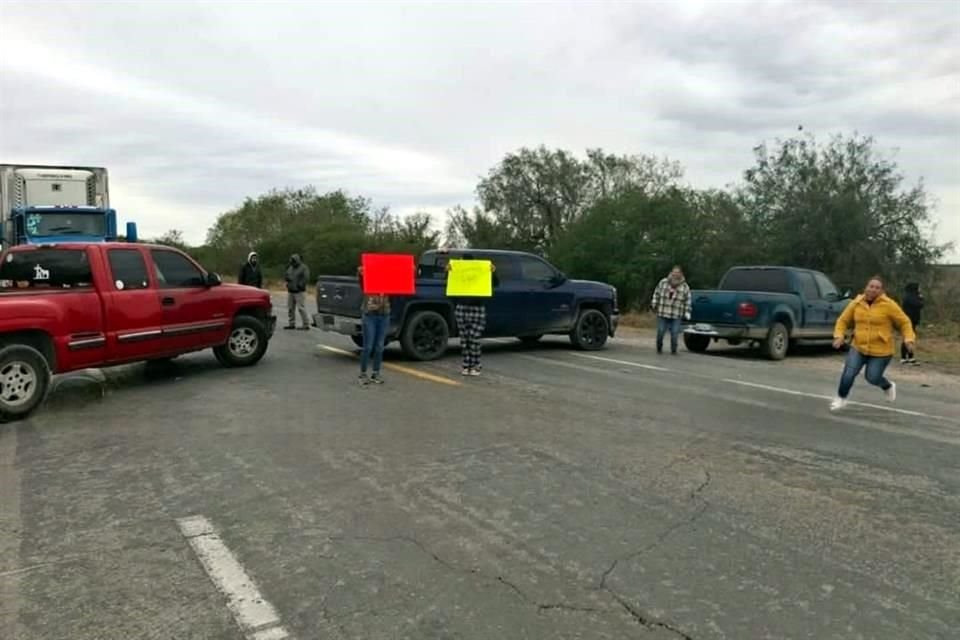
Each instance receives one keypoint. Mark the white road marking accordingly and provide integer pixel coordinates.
(273, 633)
(906, 412)
(256, 617)
(743, 383)
(624, 362)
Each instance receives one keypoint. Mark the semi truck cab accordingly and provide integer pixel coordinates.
(49, 224)
(42, 204)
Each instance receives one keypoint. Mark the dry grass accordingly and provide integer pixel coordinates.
(939, 343)
(638, 320)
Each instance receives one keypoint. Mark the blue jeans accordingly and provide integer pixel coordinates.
(668, 324)
(856, 361)
(374, 335)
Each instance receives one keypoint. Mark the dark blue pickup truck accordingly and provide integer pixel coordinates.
(531, 298)
(769, 307)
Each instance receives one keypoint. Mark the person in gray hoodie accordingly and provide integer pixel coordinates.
(297, 275)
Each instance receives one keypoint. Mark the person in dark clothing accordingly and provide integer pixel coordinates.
(250, 273)
(912, 306)
(296, 276)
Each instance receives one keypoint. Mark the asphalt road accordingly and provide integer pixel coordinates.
(562, 495)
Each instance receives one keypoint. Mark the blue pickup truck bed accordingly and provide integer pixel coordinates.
(531, 299)
(770, 307)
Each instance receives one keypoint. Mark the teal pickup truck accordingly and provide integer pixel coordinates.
(769, 307)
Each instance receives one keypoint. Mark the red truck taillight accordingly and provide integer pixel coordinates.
(747, 310)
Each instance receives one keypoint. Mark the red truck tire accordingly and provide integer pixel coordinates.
(246, 344)
(24, 381)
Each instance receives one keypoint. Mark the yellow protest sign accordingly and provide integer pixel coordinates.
(470, 278)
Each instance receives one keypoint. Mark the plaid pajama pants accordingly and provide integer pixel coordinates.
(471, 321)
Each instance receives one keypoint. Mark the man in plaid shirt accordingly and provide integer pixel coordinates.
(672, 305)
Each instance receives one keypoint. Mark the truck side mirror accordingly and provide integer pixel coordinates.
(213, 280)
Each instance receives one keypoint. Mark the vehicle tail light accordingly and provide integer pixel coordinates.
(747, 310)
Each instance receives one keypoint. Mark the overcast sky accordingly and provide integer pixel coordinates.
(193, 107)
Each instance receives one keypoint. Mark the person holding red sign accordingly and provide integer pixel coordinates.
(376, 322)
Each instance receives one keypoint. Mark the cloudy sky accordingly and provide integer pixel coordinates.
(195, 106)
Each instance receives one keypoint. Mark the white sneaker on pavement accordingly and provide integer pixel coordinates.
(891, 393)
(838, 403)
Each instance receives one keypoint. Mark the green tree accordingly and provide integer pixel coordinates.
(329, 230)
(631, 240)
(480, 229)
(534, 194)
(612, 174)
(840, 207)
(172, 238)
(531, 196)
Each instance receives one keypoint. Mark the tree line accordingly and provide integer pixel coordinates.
(841, 206)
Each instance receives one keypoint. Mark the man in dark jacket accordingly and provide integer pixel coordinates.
(912, 306)
(250, 273)
(297, 275)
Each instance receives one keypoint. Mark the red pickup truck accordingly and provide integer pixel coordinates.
(67, 307)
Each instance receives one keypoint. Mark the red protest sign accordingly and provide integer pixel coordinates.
(388, 274)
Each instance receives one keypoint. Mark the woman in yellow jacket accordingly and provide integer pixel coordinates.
(874, 317)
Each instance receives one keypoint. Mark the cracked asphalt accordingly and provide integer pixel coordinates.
(561, 495)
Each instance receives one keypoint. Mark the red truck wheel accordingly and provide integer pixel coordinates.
(246, 344)
(24, 380)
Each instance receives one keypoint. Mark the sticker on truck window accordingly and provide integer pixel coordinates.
(39, 273)
(33, 224)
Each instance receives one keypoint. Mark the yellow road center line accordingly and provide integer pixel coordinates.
(416, 373)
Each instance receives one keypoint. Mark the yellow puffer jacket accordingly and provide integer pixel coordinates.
(873, 325)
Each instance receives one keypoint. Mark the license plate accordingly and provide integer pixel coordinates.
(706, 328)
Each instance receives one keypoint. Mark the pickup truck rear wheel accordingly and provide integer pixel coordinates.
(425, 336)
(696, 343)
(591, 331)
(24, 380)
(246, 344)
(777, 342)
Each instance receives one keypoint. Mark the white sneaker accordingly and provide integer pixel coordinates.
(838, 403)
(891, 393)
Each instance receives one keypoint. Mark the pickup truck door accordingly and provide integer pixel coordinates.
(134, 322)
(505, 313)
(816, 316)
(831, 296)
(547, 305)
(194, 314)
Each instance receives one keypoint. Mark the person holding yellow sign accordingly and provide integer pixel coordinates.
(469, 282)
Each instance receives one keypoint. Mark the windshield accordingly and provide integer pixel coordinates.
(66, 224)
